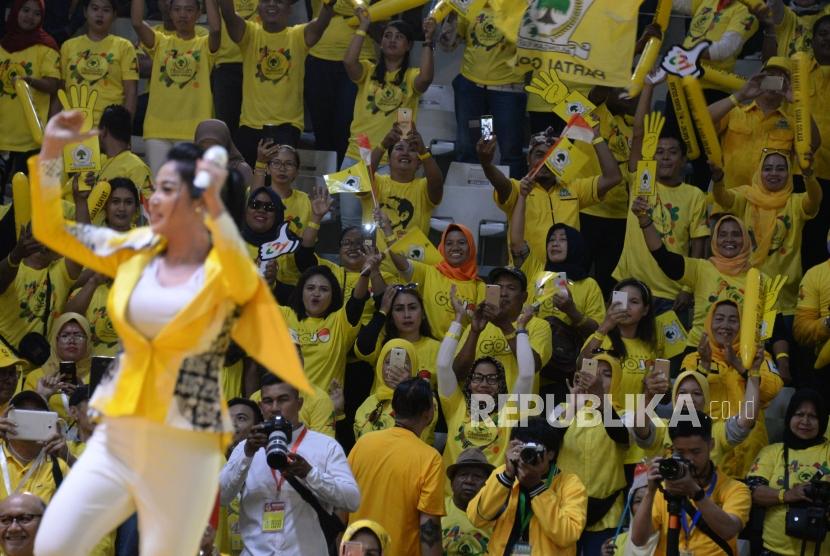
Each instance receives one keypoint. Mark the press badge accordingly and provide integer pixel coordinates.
(273, 517)
(520, 549)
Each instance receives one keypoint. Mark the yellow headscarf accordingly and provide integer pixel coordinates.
(718, 352)
(616, 376)
(375, 527)
(383, 392)
(740, 262)
(702, 381)
(52, 365)
(765, 205)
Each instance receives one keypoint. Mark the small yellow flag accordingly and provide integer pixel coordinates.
(566, 161)
(416, 246)
(354, 179)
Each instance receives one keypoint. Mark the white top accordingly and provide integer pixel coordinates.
(153, 305)
(330, 479)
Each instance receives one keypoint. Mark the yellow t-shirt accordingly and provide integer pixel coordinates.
(394, 464)
(102, 66)
(795, 32)
(709, 286)
(602, 476)
(803, 464)
(325, 343)
(813, 307)
(560, 204)
(434, 288)
(376, 414)
(36, 61)
(710, 23)
(407, 204)
(460, 537)
(616, 130)
(127, 164)
(491, 343)
(731, 495)
(637, 363)
(180, 95)
(679, 215)
(230, 379)
(347, 281)
(23, 304)
(586, 293)
(745, 132)
(41, 483)
(463, 434)
(273, 67)
(376, 105)
(488, 57)
(228, 50)
(338, 35)
(297, 213)
(104, 340)
(820, 111)
(427, 350)
(784, 255)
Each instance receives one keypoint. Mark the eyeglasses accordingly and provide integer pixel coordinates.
(267, 206)
(73, 336)
(286, 164)
(21, 519)
(478, 378)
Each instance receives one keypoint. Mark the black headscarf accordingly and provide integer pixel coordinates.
(574, 264)
(258, 239)
(805, 395)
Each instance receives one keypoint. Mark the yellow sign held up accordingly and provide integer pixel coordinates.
(84, 156)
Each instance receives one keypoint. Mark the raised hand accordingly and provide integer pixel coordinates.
(548, 86)
(321, 202)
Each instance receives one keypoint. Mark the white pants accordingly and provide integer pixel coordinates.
(170, 476)
(155, 150)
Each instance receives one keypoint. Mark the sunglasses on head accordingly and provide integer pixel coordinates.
(406, 287)
(267, 206)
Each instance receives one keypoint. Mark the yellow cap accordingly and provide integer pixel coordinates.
(778, 62)
(8, 357)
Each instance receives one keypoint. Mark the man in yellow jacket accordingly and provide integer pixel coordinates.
(532, 507)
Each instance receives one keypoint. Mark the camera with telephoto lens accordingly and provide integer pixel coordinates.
(674, 468)
(531, 453)
(279, 431)
(808, 521)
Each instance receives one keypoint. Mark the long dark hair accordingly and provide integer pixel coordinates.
(379, 74)
(185, 156)
(646, 328)
(296, 300)
(392, 332)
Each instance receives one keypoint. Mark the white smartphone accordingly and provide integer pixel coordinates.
(397, 358)
(33, 425)
(621, 298)
(561, 283)
(486, 127)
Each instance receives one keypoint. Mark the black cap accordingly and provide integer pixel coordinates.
(29, 396)
(510, 270)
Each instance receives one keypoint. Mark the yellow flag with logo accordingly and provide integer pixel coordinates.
(589, 42)
(566, 160)
(673, 333)
(416, 246)
(354, 179)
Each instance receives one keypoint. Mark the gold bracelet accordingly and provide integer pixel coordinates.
(782, 354)
(781, 494)
(260, 165)
(313, 225)
(425, 155)
(360, 33)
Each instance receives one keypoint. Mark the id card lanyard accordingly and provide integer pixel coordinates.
(689, 529)
(525, 509)
(4, 467)
(293, 450)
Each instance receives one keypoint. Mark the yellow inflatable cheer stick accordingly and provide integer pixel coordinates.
(750, 316)
(24, 95)
(22, 201)
(386, 9)
(440, 11)
(801, 91)
(684, 118)
(705, 126)
(97, 199)
(722, 79)
(662, 14)
(644, 65)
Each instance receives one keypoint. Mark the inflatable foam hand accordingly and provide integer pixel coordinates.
(681, 62)
(285, 243)
(22, 201)
(80, 98)
(654, 125)
(548, 86)
(644, 65)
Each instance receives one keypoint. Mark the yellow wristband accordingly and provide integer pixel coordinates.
(597, 335)
(260, 165)
(597, 140)
(360, 33)
(782, 354)
(510, 336)
(734, 100)
(452, 335)
(313, 225)
(425, 155)
(781, 494)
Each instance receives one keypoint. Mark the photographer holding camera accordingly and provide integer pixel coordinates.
(695, 509)
(532, 506)
(786, 479)
(279, 455)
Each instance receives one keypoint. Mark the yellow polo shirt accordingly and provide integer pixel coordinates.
(41, 482)
(813, 307)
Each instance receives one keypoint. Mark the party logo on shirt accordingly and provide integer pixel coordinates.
(273, 65)
(180, 68)
(702, 22)
(385, 98)
(32, 301)
(457, 541)
(9, 71)
(484, 33)
(783, 224)
(90, 67)
(665, 218)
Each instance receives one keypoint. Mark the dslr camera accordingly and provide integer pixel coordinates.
(674, 468)
(808, 521)
(532, 453)
(279, 432)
